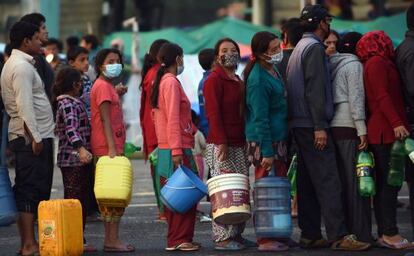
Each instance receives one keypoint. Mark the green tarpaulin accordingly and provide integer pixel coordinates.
(193, 40)
(395, 26)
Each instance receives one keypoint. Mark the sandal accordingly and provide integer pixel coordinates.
(274, 246)
(230, 246)
(184, 247)
(401, 245)
(87, 248)
(124, 248)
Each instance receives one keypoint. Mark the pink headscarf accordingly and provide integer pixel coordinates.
(375, 43)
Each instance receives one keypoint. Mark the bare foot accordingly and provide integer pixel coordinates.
(29, 249)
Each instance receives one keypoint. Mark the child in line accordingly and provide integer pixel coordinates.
(108, 134)
(198, 154)
(73, 130)
(78, 59)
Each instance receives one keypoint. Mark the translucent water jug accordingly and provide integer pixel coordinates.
(272, 208)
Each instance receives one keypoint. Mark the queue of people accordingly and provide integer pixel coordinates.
(295, 96)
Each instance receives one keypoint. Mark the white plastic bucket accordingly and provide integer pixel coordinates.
(230, 199)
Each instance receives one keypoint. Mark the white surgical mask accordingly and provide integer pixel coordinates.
(275, 58)
(112, 70)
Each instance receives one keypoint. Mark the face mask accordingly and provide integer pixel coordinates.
(180, 69)
(275, 58)
(112, 70)
(230, 60)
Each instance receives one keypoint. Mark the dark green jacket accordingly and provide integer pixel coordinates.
(266, 109)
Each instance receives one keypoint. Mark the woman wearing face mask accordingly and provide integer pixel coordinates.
(266, 115)
(108, 134)
(172, 120)
(225, 153)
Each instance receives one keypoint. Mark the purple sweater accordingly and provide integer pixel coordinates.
(73, 130)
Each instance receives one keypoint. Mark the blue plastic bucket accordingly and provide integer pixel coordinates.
(183, 190)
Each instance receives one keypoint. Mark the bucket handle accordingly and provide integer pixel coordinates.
(179, 188)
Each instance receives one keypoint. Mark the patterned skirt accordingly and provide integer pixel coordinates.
(236, 162)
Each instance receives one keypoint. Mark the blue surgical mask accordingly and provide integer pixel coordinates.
(180, 69)
(275, 58)
(112, 70)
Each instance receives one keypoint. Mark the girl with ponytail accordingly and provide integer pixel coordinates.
(266, 116)
(173, 126)
(149, 71)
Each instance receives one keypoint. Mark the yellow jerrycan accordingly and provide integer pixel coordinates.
(113, 181)
(60, 228)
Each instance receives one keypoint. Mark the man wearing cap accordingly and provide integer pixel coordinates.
(311, 109)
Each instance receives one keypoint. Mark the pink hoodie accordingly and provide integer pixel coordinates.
(172, 118)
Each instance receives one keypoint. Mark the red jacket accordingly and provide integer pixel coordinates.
(147, 123)
(223, 97)
(384, 98)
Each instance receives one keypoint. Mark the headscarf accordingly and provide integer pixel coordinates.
(375, 43)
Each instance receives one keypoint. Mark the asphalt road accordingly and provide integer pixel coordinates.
(140, 227)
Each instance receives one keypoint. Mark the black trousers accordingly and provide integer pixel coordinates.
(34, 174)
(357, 208)
(319, 188)
(409, 177)
(385, 200)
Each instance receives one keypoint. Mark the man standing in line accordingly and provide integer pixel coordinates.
(405, 63)
(30, 129)
(43, 68)
(310, 104)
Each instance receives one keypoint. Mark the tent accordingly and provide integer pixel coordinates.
(395, 26)
(193, 40)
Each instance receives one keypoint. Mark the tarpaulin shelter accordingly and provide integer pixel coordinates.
(193, 40)
(395, 26)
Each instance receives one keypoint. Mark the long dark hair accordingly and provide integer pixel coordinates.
(167, 56)
(150, 58)
(65, 80)
(101, 56)
(260, 43)
(219, 42)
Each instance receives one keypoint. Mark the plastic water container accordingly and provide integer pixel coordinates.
(60, 228)
(272, 207)
(8, 211)
(183, 190)
(113, 181)
(230, 198)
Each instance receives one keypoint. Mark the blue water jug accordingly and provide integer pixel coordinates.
(8, 211)
(272, 207)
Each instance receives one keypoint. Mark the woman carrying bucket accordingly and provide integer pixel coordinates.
(225, 153)
(266, 115)
(172, 119)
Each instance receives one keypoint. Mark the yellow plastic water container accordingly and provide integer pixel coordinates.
(60, 228)
(113, 181)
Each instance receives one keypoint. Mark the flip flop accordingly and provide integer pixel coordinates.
(401, 245)
(230, 246)
(87, 248)
(273, 247)
(184, 247)
(124, 248)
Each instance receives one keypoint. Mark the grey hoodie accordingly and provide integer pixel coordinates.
(348, 90)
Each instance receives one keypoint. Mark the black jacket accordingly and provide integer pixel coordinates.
(46, 73)
(405, 64)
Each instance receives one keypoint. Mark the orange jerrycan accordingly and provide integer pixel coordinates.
(113, 181)
(60, 228)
